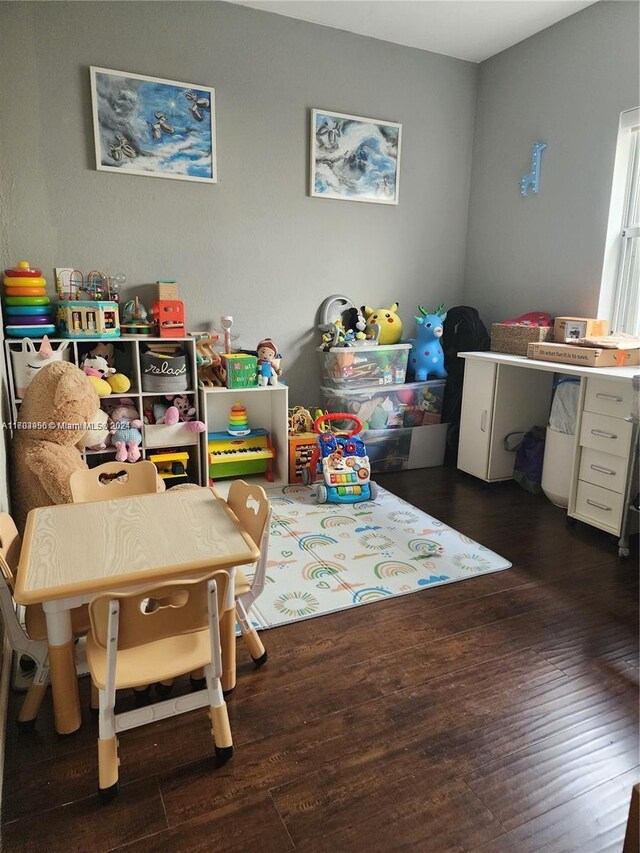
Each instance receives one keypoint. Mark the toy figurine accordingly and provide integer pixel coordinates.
(268, 363)
(427, 358)
(124, 429)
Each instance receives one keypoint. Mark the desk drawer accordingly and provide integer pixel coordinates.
(603, 469)
(599, 506)
(608, 397)
(609, 435)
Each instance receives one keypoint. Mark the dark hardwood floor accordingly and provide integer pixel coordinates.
(496, 714)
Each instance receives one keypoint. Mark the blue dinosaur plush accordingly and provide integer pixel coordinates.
(427, 358)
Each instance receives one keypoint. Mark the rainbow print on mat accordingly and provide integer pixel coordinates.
(328, 557)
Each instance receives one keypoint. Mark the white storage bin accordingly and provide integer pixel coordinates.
(556, 466)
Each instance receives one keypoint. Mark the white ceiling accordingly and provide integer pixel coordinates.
(465, 29)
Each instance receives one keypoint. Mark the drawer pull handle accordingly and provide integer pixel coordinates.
(602, 434)
(602, 470)
(611, 397)
(483, 420)
(598, 506)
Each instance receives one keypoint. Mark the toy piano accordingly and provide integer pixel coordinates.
(236, 456)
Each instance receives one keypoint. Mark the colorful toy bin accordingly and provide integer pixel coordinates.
(358, 367)
(87, 319)
(389, 407)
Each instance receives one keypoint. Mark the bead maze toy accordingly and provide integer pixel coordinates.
(88, 308)
(341, 460)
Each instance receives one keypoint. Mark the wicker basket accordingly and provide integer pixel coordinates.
(515, 337)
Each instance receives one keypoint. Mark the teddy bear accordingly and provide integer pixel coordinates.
(124, 427)
(58, 404)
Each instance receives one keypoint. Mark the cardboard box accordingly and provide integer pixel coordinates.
(514, 338)
(572, 328)
(584, 356)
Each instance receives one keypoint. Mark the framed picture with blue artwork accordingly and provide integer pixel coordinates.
(354, 158)
(154, 127)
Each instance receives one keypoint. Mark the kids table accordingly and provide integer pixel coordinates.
(72, 552)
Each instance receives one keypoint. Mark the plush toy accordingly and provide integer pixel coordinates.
(268, 362)
(125, 429)
(356, 323)
(177, 409)
(427, 358)
(97, 369)
(186, 413)
(389, 322)
(58, 404)
(97, 434)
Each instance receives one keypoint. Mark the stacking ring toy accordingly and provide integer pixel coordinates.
(29, 331)
(24, 281)
(23, 269)
(25, 291)
(23, 310)
(27, 300)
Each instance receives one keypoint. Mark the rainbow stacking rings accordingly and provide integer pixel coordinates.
(28, 308)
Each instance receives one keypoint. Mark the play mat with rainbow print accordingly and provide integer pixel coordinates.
(328, 557)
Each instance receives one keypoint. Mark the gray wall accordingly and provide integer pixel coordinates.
(565, 86)
(255, 245)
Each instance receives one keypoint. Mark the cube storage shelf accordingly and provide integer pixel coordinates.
(129, 359)
(267, 409)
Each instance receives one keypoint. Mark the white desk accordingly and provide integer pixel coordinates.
(510, 393)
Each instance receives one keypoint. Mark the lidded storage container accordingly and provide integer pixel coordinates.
(362, 366)
(389, 407)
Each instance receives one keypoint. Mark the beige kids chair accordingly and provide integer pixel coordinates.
(113, 480)
(31, 642)
(251, 507)
(130, 644)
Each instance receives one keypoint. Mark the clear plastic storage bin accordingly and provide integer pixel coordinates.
(402, 449)
(360, 366)
(389, 407)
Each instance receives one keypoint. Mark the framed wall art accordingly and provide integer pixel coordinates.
(354, 158)
(149, 126)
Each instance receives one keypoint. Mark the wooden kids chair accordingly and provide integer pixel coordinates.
(113, 480)
(251, 507)
(33, 641)
(130, 645)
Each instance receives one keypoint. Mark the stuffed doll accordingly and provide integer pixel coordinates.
(268, 362)
(58, 404)
(125, 429)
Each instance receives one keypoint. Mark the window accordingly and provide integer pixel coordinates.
(620, 293)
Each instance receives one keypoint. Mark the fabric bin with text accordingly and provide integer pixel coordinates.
(164, 373)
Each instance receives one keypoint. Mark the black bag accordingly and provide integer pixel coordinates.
(462, 331)
(527, 470)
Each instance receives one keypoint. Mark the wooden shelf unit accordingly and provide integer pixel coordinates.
(128, 350)
(267, 408)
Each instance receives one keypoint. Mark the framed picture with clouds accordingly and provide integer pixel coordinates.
(354, 158)
(149, 126)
